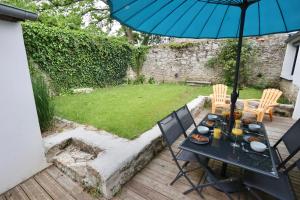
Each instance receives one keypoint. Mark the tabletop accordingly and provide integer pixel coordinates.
(221, 149)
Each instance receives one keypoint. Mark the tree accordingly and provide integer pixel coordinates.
(89, 15)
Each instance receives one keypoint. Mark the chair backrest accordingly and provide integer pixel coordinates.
(171, 128)
(220, 93)
(291, 140)
(185, 118)
(269, 97)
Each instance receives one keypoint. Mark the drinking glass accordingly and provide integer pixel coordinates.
(217, 133)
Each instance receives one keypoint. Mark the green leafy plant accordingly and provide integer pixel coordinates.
(139, 80)
(44, 105)
(75, 59)
(139, 59)
(226, 60)
(151, 80)
(181, 45)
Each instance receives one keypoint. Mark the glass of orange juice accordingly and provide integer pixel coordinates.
(217, 133)
(236, 132)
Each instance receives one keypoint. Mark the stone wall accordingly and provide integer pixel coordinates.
(168, 64)
(289, 90)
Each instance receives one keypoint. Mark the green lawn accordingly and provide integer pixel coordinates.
(130, 110)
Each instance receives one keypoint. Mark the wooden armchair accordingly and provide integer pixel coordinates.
(265, 104)
(219, 97)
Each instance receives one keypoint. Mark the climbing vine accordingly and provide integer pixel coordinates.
(75, 59)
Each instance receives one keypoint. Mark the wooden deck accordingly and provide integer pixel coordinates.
(151, 183)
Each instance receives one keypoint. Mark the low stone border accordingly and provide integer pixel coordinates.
(282, 110)
(119, 158)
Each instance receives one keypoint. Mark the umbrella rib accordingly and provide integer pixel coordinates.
(236, 3)
(194, 18)
(207, 20)
(222, 21)
(281, 13)
(124, 6)
(168, 15)
(180, 17)
(258, 7)
(170, 1)
(134, 14)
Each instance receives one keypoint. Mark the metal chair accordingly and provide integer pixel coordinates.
(185, 118)
(279, 188)
(171, 130)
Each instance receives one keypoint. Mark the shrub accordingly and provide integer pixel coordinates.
(226, 60)
(74, 59)
(139, 80)
(44, 105)
(151, 80)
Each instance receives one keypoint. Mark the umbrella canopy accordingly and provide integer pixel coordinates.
(210, 19)
(207, 18)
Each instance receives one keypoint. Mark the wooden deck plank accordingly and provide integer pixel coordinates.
(16, 193)
(34, 191)
(150, 183)
(145, 191)
(52, 187)
(68, 184)
(127, 194)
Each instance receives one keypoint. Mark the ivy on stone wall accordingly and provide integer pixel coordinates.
(226, 60)
(75, 59)
(139, 59)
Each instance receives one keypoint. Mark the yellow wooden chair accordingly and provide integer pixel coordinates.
(219, 97)
(265, 104)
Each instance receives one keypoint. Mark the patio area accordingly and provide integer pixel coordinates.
(150, 183)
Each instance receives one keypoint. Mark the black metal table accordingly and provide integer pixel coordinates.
(221, 150)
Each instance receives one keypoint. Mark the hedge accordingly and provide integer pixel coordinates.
(75, 59)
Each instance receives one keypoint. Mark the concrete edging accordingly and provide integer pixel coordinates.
(119, 160)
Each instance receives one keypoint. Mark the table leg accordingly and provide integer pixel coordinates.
(224, 169)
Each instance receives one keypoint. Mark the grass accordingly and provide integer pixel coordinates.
(130, 110)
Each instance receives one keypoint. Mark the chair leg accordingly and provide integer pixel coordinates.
(193, 186)
(180, 174)
(260, 116)
(213, 108)
(176, 178)
(253, 193)
(271, 115)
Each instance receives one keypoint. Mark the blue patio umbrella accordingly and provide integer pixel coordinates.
(209, 19)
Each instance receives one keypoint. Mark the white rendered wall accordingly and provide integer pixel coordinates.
(296, 114)
(21, 147)
(296, 81)
(288, 62)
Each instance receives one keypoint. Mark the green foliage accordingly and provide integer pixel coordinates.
(23, 4)
(139, 58)
(139, 80)
(226, 60)
(151, 80)
(75, 59)
(44, 105)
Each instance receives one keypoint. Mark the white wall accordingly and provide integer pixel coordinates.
(288, 62)
(21, 147)
(296, 114)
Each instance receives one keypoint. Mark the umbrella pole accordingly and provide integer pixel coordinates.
(235, 93)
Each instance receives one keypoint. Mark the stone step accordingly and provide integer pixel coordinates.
(196, 83)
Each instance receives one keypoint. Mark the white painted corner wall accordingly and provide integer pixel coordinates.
(286, 73)
(21, 148)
